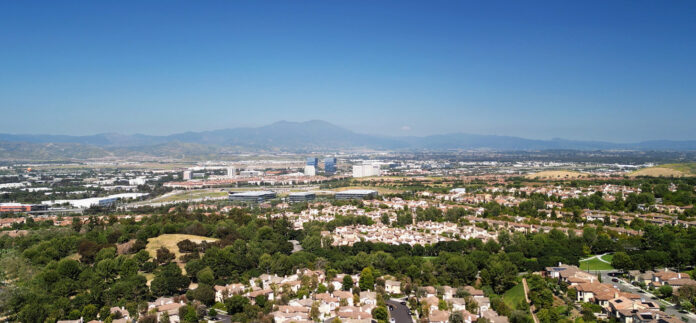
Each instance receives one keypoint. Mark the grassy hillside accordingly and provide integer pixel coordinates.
(514, 296)
(667, 170)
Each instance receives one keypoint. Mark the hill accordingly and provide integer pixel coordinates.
(667, 170)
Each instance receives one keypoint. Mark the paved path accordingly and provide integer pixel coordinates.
(599, 257)
(526, 297)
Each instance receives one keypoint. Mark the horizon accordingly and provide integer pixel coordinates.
(343, 128)
(616, 72)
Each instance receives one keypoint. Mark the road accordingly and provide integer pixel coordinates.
(400, 312)
(624, 286)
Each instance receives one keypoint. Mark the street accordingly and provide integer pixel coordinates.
(625, 286)
(400, 312)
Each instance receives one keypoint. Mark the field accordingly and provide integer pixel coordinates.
(169, 241)
(514, 296)
(556, 174)
(190, 195)
(667, 170)
(594, 263)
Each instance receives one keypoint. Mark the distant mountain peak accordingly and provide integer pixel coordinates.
(315, 134)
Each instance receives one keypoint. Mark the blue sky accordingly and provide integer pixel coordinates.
(600, 70)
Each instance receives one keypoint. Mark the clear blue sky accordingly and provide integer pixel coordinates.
(607, 70)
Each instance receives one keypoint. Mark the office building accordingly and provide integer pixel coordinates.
(312, 161)
(19, 208)
(301, 197)
(356, 194)
(310, 170)
(252, 196)
(366, 170)
(330, 165)
(187, 175)
(231, 172)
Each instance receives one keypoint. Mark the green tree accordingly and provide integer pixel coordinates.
(500, 275)
(206, 276)
(89, 312)
(236, 304)
(164, 256)
(380, 314)
(203, 293)
(367, 280)
(456, 317)
(169, 281)
(347, 282)
(622, 261)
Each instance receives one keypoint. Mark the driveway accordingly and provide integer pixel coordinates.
(400, 312)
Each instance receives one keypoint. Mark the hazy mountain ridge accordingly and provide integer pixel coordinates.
(289, 136)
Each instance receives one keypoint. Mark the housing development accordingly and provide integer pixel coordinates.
(430, 240)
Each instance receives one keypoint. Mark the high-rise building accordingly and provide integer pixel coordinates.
(310, 170)
(187, 175)
(312, 161)
(330, 165)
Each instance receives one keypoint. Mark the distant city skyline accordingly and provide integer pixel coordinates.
(620, 71)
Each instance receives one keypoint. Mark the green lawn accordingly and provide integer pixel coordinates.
(608, 257)
(514, 296)
(596, 264)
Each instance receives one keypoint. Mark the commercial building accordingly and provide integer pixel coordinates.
(187, 175)
(330, 165)
(366, 170)
(312, 161)
(85, 203)
(252, 196)
(301, 197)
(356, 194)
(96, 201)
(231, 172)
(19, 208)
(310, 170)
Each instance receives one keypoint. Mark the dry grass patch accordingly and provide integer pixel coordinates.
(660, 171)
(557, 175)
(169, 241)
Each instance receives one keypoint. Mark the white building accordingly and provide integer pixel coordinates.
(310, 170)
(366, 170)
(187, 175)
(137, 181)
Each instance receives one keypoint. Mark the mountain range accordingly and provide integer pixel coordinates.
(315, 135)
